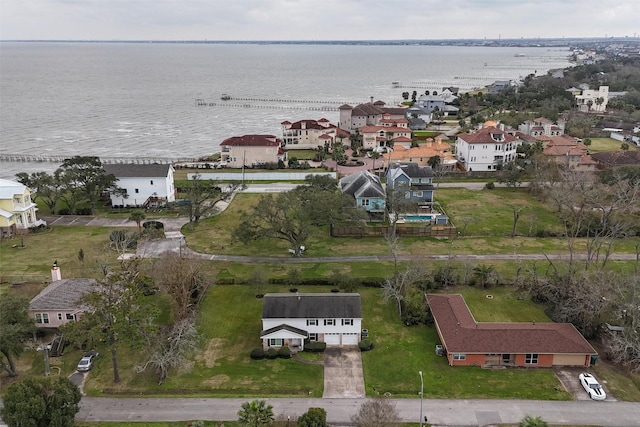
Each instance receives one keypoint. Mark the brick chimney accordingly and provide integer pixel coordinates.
(55, 272)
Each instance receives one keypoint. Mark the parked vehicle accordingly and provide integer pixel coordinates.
(86, 363)
(592, 386)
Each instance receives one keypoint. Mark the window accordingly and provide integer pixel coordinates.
(418, 194)
(531, 358)
(347, 322)
(42, 318)
(313, 337)
(312, 322)
(70, 316)
(329, 322)
(276, 342)
(459, 356)
(151, 182)
(59, 316)
(137, 191)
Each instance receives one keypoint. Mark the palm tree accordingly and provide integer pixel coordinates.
(138, 217)
(530, 421)
(483, 272)
(375, 155)
(256, 414)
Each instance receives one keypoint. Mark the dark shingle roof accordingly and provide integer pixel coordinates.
(460, 332)
(154, 170)
(362, 184)
(62, 294)
(321, 305)
(285, 328)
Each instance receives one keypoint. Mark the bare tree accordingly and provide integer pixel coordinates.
(395, 287)
(184, 280)
(203, 195)
(170, 348)
(516, 216)
(377, 413)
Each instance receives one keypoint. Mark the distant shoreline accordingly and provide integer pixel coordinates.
(523, 42)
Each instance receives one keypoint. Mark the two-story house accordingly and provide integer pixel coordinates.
(369, 114)
(486, 149)
(542, 126)
(591, 100)
(385, 136)
(289, 319)
(251, 150)
(368, 192)
(142, 185)
(415, 181)
(17, 210)
(569, 153)
(308, 134)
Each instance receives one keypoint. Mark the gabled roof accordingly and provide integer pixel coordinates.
(373, 128)
(412, 170)
(486, 136)
(252, 141)
(362, 184)
(62, 295)
(9, 188)
(309, 124)
(284, 327)
(320, 305)
(154, 170)
(461, 333)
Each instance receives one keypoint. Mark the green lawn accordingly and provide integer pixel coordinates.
(607, 144)
(400, 352)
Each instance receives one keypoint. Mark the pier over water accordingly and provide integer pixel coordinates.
(48, 158)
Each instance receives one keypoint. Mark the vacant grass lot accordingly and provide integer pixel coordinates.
(607, 144)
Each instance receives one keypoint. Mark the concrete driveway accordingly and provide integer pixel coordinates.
(343, 377)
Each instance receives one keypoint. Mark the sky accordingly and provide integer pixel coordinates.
(271, 20)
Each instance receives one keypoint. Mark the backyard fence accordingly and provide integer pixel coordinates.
(402, 230)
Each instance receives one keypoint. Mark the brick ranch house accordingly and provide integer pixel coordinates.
(289, 319)
(471, 343)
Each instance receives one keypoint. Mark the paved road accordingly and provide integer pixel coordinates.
(439, 412)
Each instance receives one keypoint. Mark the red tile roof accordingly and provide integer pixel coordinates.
(252, 141)
(461, 333)
(483, 136)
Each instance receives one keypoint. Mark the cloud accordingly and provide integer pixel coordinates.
(314, 19)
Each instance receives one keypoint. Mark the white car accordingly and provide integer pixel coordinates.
(592, 386)
(86, 363)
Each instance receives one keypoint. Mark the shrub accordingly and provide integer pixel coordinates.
(257, 353)
(284, 352)
(315, 346)
(490, 185)
(271, 353)
(314, 417)
(365, 345)
(335, 290)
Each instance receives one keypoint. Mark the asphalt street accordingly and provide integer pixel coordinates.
(339, 411)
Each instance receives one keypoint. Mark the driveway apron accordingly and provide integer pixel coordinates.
(343, 376)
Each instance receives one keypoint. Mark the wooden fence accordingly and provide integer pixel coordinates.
(402, 230)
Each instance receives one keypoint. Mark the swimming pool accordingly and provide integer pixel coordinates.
(417, 217)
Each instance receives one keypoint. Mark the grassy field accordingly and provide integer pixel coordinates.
(607, 144)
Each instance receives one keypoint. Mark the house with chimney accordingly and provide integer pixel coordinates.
(368, 114)
(486, 149)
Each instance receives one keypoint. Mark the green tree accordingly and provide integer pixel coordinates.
(203, 195)
(15, 328)
(256, 413)
(483, 273)
(530, 421)
(137, 216)
(85, 180)
(314, 417)
(119, 315)
(41, 402)
(43, 186)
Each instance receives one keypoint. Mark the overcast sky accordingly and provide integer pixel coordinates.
(315, 19)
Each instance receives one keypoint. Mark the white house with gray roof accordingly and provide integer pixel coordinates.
(143, 185)
(288, 319)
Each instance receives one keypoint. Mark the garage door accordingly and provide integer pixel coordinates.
(332, 339)
(349, 339)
